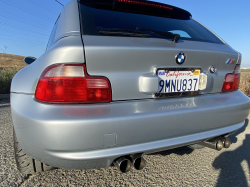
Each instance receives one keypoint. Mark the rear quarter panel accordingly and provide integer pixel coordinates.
(67, 50)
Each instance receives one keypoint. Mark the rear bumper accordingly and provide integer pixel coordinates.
(92, 136)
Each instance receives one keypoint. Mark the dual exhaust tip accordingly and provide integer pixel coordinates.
(217, 143)
(124, 164)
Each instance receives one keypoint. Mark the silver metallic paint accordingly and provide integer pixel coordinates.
(148, 83)
(123, 60)
(46, 130)
(69, 21)
(68, 50)
(72, 136)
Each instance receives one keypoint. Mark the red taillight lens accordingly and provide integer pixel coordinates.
(71, 84)
(232, 80)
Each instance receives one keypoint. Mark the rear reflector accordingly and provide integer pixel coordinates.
(232, 80)
(71, 84)
(203, 81)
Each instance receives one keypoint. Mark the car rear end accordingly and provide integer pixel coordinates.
(122, 78)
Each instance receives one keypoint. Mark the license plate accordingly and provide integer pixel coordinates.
(178, 81)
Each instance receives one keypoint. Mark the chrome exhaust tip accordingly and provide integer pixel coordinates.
(138, 161)
(123, 164)
(226, 142)
(217, 145)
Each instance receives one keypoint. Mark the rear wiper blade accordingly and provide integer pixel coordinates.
(124, 32)
(174, 37)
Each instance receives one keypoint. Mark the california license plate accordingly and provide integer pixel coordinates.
(178, 81)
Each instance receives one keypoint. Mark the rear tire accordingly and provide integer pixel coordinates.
(26, 164)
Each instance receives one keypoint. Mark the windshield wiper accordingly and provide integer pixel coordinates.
(124, 32)
(137, 33)
(174, 37)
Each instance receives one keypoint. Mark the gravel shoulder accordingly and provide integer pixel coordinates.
(177, 167)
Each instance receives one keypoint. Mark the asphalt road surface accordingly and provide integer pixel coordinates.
(177, 167)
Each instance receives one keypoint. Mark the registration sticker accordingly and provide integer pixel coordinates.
(196, 72)
(178, 81)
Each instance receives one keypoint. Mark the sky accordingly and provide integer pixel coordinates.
(25, 25)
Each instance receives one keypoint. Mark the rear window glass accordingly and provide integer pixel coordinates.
(101, 19)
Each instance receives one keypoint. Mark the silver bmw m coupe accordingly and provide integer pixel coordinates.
(120, 79)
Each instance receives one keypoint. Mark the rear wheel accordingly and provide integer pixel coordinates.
(26, 164)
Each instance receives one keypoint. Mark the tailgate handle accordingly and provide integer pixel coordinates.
(148, 83)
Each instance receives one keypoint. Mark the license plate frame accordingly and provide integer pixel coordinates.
(177, 94)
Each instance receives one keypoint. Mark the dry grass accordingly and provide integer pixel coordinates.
(6, 76)
(245, 82)
(9, 66)
(9, 61)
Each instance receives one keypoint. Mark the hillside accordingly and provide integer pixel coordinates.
(9, 60)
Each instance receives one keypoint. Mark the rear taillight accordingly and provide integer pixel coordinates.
(67, 83)
(232, 80)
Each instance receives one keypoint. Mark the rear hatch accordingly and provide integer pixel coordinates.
(134, 43)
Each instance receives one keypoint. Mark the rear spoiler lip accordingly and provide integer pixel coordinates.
(113, 3)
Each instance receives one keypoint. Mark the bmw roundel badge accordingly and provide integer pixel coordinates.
(180, 58)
